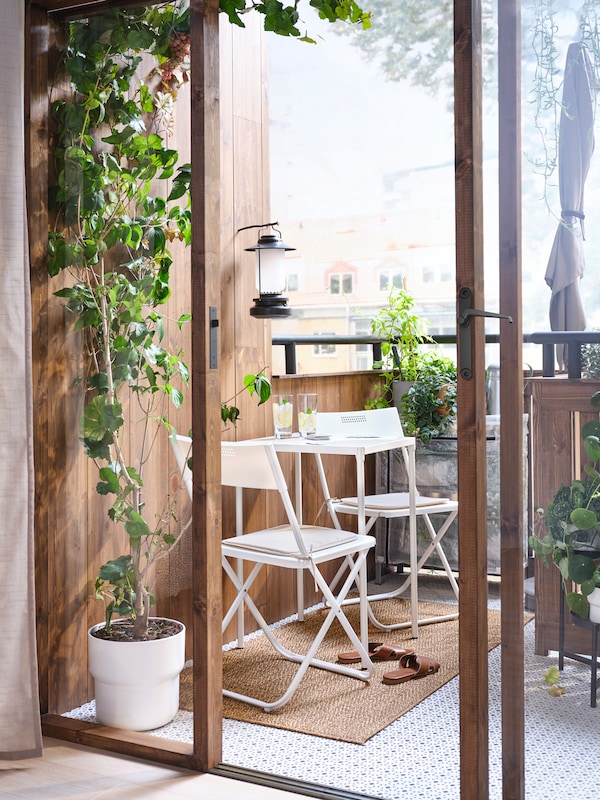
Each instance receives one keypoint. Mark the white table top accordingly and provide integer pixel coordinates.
(338, 445)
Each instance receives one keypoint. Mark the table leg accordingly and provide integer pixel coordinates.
(412, 527)
(298, 499)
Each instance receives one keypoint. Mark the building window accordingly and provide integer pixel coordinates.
(341, 283)
(325, 349)
(292, 283)
(389, 279)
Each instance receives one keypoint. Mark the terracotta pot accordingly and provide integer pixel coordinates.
(444, 409)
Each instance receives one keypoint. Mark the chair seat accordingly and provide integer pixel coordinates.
(395, 500)
(281, 541)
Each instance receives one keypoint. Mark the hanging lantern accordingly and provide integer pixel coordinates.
(270, 275)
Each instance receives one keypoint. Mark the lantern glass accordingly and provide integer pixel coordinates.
(270, 270)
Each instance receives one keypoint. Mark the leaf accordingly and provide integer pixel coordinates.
(177, 398)
(137, 527)
(583, 518)
(552, 675)
(581, 568)
(231, 8)
(100, 418)
(115, 570)
(109, 483)
(578, 604)
(592, 447)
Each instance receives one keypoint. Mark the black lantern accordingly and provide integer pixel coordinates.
(270, 274)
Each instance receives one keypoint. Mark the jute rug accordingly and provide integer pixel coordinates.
(329, 705)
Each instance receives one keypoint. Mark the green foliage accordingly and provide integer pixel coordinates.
(429, 406)
(590, 361)
(120, 199)
(403, 333)
(257, 384)
(285, 19)
(552, 679)
(572, 520)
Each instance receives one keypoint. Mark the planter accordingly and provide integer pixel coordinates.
(136, 683)
(594, 601)
(399, 389)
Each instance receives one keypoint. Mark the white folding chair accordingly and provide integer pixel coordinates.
(386, 422)
(292, 546)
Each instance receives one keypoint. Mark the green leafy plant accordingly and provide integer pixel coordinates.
(257, 384)
(403, 332)
(285, 20)
(429, 407)
(590, 361)
(572, 520)
(120, 199)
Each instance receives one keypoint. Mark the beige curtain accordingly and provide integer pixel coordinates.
(20, 727)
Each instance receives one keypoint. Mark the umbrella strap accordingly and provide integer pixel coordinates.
(580, 216)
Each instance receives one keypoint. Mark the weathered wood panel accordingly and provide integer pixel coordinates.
(559, 408)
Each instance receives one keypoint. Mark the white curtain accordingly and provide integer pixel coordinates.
(20, 726)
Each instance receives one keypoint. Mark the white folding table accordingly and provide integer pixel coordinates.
(360, 448)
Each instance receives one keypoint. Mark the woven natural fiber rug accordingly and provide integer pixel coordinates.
(334, 706)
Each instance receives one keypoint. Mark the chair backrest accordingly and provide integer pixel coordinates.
(244, 466)
(383, 422)
(182, 448)
(247, 466)
(256, 466)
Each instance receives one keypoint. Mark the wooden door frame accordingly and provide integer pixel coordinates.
(206, 292)
(511, 402)
(473, 656)
(472, 490)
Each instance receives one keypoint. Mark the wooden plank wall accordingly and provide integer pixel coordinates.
(559, 407)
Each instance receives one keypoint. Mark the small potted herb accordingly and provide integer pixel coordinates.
(403, 332)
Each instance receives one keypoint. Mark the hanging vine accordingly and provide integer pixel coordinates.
(547, 85)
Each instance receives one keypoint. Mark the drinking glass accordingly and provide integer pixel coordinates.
(283, 410)
(307, 413)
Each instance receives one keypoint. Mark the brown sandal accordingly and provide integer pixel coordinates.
(377, 652)
(411, 666)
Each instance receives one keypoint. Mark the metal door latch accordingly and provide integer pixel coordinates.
(465, 313)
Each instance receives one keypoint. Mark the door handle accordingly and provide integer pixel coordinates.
(465, 313)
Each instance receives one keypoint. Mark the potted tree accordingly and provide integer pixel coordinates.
(572, 521)
(120, 199)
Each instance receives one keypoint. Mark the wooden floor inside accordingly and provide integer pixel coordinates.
(81, 773)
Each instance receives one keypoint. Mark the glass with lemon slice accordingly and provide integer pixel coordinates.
(283, 411)
(307, 414)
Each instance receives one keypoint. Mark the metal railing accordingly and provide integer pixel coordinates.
(572, 340)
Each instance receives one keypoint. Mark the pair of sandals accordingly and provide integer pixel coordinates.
(410, 666)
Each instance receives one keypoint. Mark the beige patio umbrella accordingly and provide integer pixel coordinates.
(575, 148)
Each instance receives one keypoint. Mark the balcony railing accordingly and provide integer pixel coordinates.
(574, 340)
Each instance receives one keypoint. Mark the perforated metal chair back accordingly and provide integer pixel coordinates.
(379, 422)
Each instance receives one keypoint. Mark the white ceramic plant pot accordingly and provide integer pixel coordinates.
(594, 601)
(136, 683)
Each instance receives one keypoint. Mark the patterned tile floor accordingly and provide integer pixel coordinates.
(419, 753)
